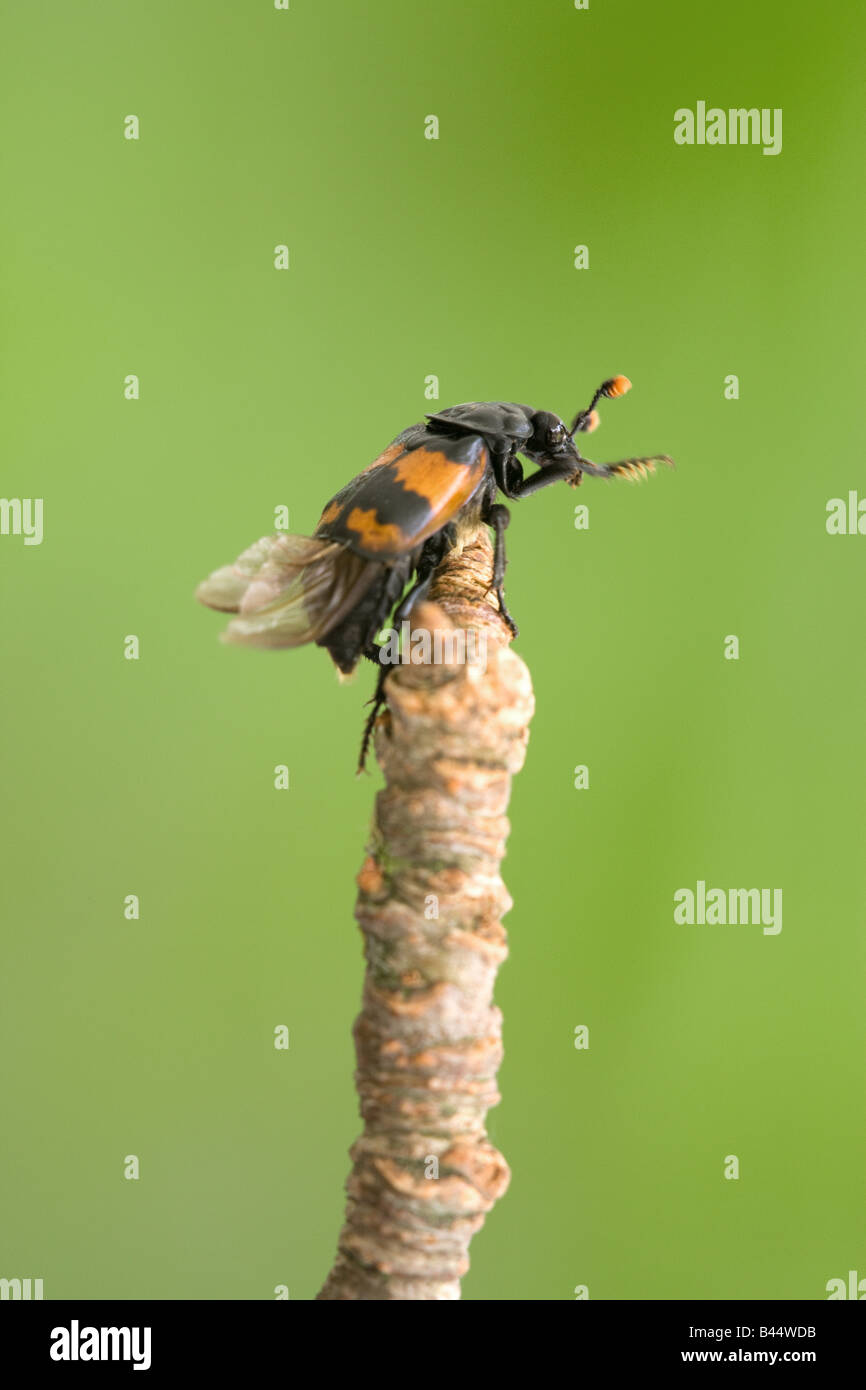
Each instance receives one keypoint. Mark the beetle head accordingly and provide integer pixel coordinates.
(550, 441)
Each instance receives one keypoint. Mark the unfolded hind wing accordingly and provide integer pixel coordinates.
(288, 590)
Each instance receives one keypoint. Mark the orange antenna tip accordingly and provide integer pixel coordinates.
(617, 386)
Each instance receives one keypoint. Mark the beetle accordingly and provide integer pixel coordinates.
(429, 490)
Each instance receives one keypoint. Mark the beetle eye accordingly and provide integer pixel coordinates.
(555, 434)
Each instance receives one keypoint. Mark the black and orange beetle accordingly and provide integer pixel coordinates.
(432, 487)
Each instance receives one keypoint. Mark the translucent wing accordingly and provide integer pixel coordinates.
(288, 590)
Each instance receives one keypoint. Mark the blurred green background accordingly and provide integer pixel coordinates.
(412, 257)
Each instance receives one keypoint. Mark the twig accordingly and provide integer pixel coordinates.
(430, 900)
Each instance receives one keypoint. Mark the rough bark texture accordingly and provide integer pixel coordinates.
(428, 1039)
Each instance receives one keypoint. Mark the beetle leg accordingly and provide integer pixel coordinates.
(418, 591)
(498, 517)
(508, 472)
(570, 472)
(378, 701)
(428, 560)
(633, 468)
(552, 473)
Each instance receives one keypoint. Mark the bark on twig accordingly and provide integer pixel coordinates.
(430, 900)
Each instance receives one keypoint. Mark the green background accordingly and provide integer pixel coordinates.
(259, 388)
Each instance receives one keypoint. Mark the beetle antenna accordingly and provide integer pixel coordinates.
(586, 420)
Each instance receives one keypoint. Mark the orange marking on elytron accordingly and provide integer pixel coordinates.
(375, 535)
(436, 477)
(390, 453)
(330, 514)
